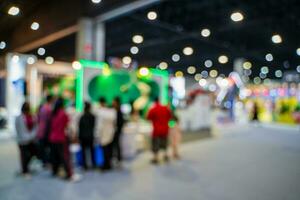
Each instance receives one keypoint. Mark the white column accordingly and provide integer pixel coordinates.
(99, 45)
(84, 40)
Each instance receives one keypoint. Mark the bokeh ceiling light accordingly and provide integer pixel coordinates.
(176, 57)
(152, 15)
(41, 51)
(276, 39)
(76, 65)
(202, 82)
(223, 59)
(278, 73)
(188, 51)
(179, 74)
(205, 32)
(298, 51)
(191, 70)
(144, 71)
(163, 65)
(237, 17)
(269, 57)
(2, 45)
(15, 58)
(49, 60)
(198, 76)
(30, 60)
(298, 68)
(96, 1)
(138, 39)
(13, 11)
(247, 65)
(126, 60)
(208, 63)
(213, 73)
(35, 26)
(134, 50)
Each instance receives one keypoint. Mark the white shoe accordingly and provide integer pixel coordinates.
(75, 178)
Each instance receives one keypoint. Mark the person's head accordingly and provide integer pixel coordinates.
(102, 101)
(59, 104)
(49, 98)
(25, 108)
(117, 103)
(87, 107)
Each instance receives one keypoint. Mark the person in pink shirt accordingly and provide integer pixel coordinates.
(43, 129)
(59, 141)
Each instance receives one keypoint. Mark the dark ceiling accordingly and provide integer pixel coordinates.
(179, 24)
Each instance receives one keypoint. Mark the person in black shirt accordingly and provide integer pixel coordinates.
(86, 134)
(117, 150)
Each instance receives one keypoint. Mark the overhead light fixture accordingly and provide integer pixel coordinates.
(208, 63)
(76, 65)
(176, 58)
(269, 57)
(298, 68)
(144, 71)
(205, 32)
(202, 82)
(13, 11)
(41, 51)
(30, 60)
(257, 80)
(191, 70)
(188, 51)
(15, 58)
(204, 74)
(134, 50)
(179, 74)
(247, 65)
(138, 39)
(278, 73)
(276, 39)
(264, 70)
(49, 60)
(213, 73)
(163, 65)
(35, 26)
(96, 1)
(126, 60)
(152, 15)
(223, 59)
(237, 17)
(298, 51)
(2, 45)
(198, 76)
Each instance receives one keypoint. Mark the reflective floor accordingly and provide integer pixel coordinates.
(239, 163)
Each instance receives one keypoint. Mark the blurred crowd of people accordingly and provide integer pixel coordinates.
(48, 135)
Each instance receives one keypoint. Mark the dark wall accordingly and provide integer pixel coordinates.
(2, 92)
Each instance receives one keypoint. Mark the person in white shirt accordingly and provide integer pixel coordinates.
(105, 130)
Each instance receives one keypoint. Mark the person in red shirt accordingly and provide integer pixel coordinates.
(159, 115)
(59, 140)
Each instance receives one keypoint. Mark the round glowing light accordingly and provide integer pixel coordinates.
(13, 11)
(298, 51)
(237, 17)
(198, 76)
(191, 70)
(276, 39)
(144, 71)
(208, 63)
(41, 51)
(224, 82)
(257, 80)
(35, 26)
(76, 65)
(202, 82)
(106, 71)
(134, 50)
(188, 51)
(269, 57)
(2, 45)
(278, 73)
(298, 68)
(262, 75)
(176, 58)
(96, 1)
(138, 39)
(204, 74)
(163, 65)
(30, 60)
(49, 60)
(247, 65)
(223, 59)
(212, 87)
(245, 79)
(179, 74)
(264, 70)
(205, 32)
(213, 73)
(15, 58)
(247, 72)
(152, 15)
(126, 60)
